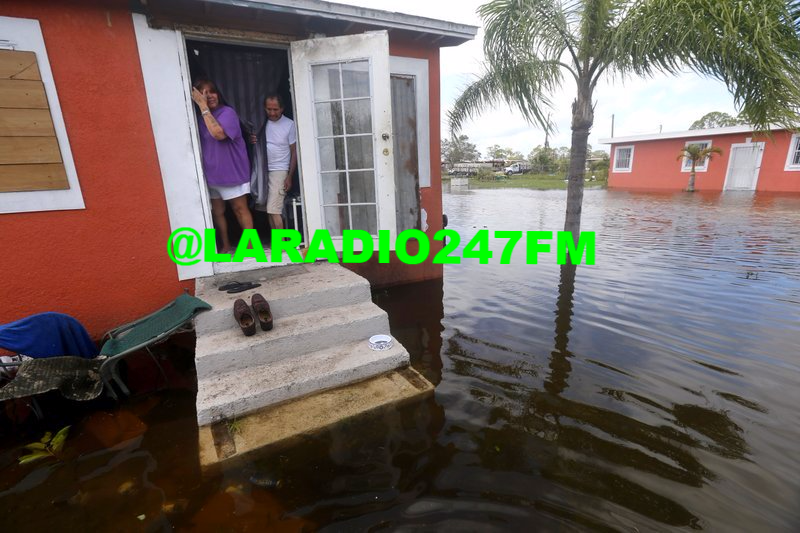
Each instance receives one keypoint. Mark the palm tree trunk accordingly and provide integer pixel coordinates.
(690, 187)
(582, 120)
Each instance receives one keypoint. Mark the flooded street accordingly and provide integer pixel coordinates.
(655, 390)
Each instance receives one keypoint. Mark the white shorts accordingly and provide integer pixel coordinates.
(276, 193)
(229, 193)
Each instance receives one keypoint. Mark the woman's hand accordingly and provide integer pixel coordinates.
(253, 138)
(199, 99)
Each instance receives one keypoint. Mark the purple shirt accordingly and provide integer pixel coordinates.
(225, 162)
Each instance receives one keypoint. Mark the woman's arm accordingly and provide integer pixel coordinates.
(211, 123)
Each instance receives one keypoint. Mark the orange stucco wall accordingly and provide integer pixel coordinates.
(105, 264)
(381, 275)
(655, 164)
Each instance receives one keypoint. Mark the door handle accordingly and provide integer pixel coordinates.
(385, 136)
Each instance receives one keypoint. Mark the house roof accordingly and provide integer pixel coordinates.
(315, 16)
(683, 134)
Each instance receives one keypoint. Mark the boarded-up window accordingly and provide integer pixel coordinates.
(30, 159)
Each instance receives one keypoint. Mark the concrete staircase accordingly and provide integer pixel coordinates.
(323, 316)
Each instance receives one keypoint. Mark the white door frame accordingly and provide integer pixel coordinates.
(165, 71)
(759, 156)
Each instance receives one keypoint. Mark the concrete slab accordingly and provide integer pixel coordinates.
(274, 427)
(290, 290)
(245, 390)
(229, 350)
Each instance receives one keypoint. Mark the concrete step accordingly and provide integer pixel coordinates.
(292, 337)
(290, 290)
(244, 390)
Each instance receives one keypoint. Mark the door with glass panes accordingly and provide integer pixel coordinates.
(344, 123)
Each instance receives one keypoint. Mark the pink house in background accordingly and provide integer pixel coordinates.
(748, 162)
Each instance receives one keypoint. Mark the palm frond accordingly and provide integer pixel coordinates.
(525, 87)
(750, 45)
(516, 30)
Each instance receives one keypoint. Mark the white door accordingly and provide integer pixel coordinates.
(344, 125)
(743, 166)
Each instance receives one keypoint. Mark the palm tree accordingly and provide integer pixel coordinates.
(530, 45)
(696, 154)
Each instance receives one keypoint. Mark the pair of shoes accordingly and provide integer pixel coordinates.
(245, 317)
(237, 286)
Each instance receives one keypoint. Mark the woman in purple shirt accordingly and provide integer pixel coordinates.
(225, 161)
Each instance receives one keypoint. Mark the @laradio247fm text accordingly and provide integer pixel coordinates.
(185, 247)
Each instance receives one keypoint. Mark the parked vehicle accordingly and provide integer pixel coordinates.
(519, 167)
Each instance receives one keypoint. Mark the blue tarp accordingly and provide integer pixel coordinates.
(47, 335)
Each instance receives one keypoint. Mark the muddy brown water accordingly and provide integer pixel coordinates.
(656, 390)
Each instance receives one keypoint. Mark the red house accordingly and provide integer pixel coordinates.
(749, 161)
(99, 149)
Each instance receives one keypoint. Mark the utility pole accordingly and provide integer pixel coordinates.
(612, 126)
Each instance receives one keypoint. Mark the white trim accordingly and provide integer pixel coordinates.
(166, 81)
(627, 169)
(794, 147)
(418, 68)
(714, 132)
(758, 164)
(26, 34)
(687, 167)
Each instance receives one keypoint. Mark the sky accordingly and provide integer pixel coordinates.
(662, 103)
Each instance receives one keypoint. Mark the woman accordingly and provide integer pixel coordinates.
(225, 161)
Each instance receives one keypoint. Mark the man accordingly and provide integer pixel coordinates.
(281, 139)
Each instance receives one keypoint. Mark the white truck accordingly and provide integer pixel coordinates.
(518, 167)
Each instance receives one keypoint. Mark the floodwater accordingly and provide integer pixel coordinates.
(655, 390)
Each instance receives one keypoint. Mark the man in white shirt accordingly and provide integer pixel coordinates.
(281, 141)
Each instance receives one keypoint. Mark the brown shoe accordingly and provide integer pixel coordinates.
(261, 307)
(244, 317)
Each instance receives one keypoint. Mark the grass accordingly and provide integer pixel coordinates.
(529, 181)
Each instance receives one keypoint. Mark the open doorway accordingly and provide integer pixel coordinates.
(244, 76)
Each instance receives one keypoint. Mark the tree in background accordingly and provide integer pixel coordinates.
(598, 163)
(457, 149)
(716, 119)
(542, 159)
(696, 154)
(530, 45)
(506, 154)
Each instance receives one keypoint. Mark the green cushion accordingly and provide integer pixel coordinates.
(150, 328)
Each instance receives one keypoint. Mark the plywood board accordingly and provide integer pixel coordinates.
(22, 94)
(26, 123)
(48, 177)
(18, 65)
(27, 150)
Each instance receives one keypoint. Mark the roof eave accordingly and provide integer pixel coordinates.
(712, 132)
(456, 33)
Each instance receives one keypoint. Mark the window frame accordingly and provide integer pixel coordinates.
(26, 35)
(617, 149)
(687, 167)
(794, 148)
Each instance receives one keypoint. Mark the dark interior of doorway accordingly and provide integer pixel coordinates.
(244, 75)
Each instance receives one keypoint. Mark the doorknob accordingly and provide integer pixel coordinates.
(385, 136)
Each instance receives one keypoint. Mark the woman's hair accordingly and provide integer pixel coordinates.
(200, 82)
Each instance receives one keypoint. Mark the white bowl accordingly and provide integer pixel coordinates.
(381, 342)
